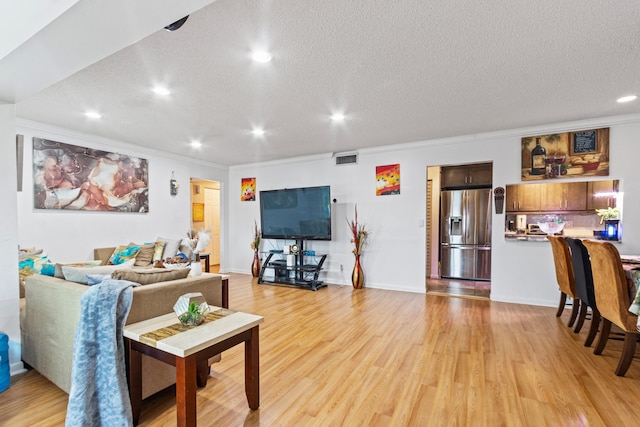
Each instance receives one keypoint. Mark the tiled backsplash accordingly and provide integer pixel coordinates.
(588, 221)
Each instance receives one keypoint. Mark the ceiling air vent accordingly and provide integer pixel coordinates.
(346, 159)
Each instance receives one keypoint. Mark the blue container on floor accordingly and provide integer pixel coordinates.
(5, 375)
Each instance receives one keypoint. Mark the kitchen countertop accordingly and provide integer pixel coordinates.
(543, 237)
(526, 237)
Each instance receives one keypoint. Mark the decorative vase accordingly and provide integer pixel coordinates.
(196, 266)
(357, 277)
(255, 266)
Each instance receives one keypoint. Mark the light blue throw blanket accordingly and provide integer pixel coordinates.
(99, 395)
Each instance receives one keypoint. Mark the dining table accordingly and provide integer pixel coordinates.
(631, 265)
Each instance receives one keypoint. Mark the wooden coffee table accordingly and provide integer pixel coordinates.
(189, 350)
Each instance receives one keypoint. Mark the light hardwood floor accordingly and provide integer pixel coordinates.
(467, 288)
(339, 357)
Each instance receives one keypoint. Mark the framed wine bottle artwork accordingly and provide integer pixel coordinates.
(565, 154)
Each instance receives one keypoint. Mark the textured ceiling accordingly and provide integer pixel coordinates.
(402, 71)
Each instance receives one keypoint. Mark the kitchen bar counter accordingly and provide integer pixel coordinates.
(543, 238)
(525, 237)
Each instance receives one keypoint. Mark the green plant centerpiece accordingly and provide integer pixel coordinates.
(193, 316)
(608, 214)
(191, 309)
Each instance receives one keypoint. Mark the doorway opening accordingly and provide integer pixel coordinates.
(459, 232)
(205, 214)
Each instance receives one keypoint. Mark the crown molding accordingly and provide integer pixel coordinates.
(509, 133)
(105, 142)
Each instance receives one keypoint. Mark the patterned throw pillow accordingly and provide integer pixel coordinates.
(158, 249)
(32, 262)
(123, 254)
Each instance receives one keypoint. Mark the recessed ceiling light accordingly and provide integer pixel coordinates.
(196, 144)
(258, 132)
(337, 117)
(261, 56)
(93, 115)
(627, 98)
(161, 90)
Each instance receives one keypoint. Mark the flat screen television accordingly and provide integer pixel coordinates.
(296, 213)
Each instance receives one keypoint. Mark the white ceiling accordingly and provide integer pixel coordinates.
(401, 71)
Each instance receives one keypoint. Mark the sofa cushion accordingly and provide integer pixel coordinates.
(58, 267)
(152, 275)
(123, 254)
(79, 274)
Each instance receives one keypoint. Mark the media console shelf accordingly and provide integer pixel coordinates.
(296, 273)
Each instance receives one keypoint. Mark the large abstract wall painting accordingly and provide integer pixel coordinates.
(70, 177)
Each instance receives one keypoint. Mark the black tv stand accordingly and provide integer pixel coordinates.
(298, 273)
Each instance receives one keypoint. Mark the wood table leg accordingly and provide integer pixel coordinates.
(202, 374)
(225, 293)
(207, 263)
(252, 369)
(135, 382)
(186, 391)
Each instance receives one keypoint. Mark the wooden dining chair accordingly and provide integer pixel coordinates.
(612, 294)
(564, 276)
(584, 287)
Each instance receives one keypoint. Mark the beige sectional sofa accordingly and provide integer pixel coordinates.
(51, 312)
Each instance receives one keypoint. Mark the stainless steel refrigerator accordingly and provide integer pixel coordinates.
(465, 234)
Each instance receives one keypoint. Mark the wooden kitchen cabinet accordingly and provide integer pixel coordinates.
(523, 198)
(569, 196)
(600, 202)
(478, 175)
(561, 196)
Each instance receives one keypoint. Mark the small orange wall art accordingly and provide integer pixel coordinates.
(387, 180)
(248, 190)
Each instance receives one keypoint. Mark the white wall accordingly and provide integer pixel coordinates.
(522, 272)
(9, 291)
(68, 236)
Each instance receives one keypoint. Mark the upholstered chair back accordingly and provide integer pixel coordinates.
(564, 267)
(610, 285)
(582, 273)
